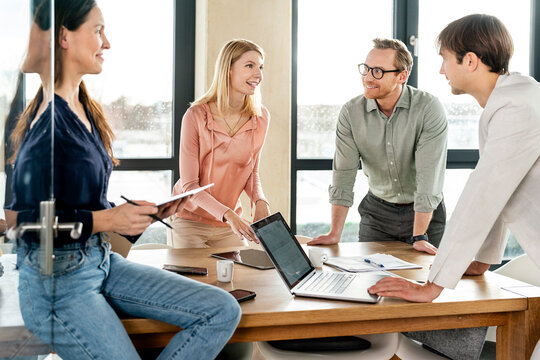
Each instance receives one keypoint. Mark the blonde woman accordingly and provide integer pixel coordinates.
(223, 133)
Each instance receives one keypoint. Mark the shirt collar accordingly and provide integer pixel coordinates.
(404, 100)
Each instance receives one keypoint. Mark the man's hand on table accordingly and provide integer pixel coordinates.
(424, 246)
(477, 268)
(328, 239)
(406, 289)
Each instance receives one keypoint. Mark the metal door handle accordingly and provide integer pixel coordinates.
(48, 229)
(413, 41)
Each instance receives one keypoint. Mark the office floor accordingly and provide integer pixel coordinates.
(488, 353)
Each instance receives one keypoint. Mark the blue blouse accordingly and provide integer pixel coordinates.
(82, 168)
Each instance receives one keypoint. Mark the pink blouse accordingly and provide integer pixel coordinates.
(208, 154)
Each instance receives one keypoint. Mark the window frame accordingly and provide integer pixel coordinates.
(405, 25)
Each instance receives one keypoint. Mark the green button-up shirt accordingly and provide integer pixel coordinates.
(403, 156)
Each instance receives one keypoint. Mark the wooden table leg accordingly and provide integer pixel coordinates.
(533, 325)
(512, 337)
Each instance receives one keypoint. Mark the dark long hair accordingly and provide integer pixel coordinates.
(70, 14)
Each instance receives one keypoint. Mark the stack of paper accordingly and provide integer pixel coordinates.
(370, 263)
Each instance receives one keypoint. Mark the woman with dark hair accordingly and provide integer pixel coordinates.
(74, 309)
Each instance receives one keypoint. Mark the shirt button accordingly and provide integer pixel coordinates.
(388, 143)
(398, 194)
(391, 163)
(395, 180)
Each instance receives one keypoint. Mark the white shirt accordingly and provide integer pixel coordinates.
(504, 189)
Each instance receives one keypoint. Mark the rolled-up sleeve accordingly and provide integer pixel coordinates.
(430, 158)
(345, 164)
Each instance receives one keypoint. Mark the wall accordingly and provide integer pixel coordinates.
(267, 23)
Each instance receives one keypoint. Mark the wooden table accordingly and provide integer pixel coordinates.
(488, 300)
(274, 314)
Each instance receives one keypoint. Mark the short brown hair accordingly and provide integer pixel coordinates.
(403, 60)
(484, 35)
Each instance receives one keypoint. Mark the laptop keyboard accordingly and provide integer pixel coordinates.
(329, 282)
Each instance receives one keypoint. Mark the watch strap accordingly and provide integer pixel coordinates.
(416, 238)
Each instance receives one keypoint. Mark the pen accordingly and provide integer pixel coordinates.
(373, 262)
(152, 215)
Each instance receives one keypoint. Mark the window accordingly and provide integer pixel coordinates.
(136, 85)
(463, 111)
(334, 40)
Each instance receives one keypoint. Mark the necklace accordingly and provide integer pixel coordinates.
(232, 130)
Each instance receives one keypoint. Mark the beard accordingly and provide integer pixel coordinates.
(457, 91)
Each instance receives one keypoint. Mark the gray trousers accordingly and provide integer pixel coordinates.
(384, 221)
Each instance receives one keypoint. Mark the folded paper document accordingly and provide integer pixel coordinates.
(370, 263)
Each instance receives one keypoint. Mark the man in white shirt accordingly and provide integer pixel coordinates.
(504, 189)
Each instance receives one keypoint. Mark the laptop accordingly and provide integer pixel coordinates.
(298, 273)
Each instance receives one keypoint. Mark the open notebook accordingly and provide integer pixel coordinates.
(372, 262)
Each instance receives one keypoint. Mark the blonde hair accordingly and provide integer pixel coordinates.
(219, 90)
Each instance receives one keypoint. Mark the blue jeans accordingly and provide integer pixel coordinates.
(75, 309)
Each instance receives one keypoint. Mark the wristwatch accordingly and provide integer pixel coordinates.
(416, 238)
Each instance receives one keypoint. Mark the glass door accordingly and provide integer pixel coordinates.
(26, 156)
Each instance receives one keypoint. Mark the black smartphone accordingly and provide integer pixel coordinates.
(242, 295)
(186, 270)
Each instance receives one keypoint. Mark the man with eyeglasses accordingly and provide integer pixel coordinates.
(399, 133)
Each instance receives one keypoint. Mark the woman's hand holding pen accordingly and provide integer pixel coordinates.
(171, 208)
(125, 219)
(239, 226)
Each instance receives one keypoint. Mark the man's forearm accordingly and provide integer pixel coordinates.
(339, 214)
(421, 222)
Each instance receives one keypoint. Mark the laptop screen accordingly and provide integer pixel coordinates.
(283, 248)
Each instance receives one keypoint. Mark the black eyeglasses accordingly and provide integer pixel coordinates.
(377, 72)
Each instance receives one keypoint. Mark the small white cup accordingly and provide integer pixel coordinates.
(317, 256)
(225, 269)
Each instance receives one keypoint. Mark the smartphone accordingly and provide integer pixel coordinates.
(186, 270)
(242, 295)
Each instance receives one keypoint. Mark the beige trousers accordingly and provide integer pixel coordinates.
(193, 234)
